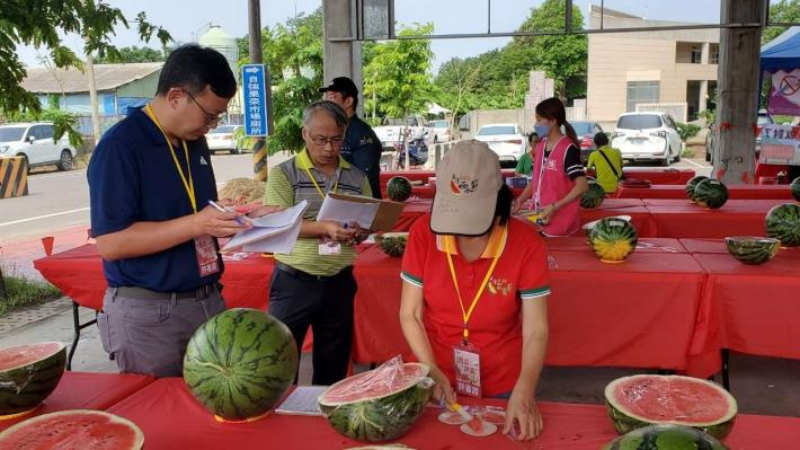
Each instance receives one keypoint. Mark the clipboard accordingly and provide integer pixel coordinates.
(388, 211)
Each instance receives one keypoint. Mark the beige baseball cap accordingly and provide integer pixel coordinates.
(467, 183)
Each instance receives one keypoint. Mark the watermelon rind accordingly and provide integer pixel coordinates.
(593, 197)
(711, 193)
(398, 189)
(691, 184)
(44, 425)
(240, 363)
(783, 223)
(795, 188)
(392, 244)
(613, 239)
(378, 418)
(26, 386)
(626, 421)
(666, 437)
(752, 250)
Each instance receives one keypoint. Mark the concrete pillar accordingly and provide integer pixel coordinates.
(705, 55)
(737, 110)
(703, 96)
(341, 59)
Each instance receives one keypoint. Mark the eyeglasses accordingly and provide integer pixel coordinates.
(335, 142)
(210, 118)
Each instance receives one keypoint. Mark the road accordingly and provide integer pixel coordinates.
(60, 200)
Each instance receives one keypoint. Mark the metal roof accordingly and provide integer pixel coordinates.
(108, 77)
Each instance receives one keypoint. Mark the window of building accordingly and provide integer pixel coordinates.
(697, 54)
(642, 92)
(713, 58)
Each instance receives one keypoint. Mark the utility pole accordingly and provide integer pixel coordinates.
(93, 98)
(256, 57)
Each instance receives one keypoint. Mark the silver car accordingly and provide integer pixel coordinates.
(647, 136)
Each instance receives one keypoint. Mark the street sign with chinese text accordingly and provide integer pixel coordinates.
(255, 100)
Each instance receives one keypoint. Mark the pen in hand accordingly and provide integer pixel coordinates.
(243, 220)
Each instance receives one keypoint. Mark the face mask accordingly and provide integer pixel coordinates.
(543, 130)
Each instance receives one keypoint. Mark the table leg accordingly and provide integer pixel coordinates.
(77, 326)
(726, 380)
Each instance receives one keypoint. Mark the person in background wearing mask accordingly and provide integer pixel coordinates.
(525, 163)
(559, 178)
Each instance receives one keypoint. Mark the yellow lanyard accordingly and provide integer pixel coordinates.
(187, 184)
(468, 313)
(314, 180)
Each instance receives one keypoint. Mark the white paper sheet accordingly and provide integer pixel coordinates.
(348, 212)
(274, 233)
(302, 401)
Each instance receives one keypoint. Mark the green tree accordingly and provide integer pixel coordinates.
(783, 11)
(397, 79)
(133, 55)
(94, 21)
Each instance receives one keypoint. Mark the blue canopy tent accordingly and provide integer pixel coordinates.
(782, 53)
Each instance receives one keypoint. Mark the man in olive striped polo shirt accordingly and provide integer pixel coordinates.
(314, 285)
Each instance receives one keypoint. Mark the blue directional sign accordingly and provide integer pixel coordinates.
(255, 100)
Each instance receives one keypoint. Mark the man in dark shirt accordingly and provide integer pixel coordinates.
(362, 148)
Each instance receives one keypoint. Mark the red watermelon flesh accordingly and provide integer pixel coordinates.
(76, 429)
(375, 384)
(22, 355)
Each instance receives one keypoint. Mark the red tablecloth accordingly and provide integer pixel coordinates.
(714, 246)
(757, 306)
(84, 390)
(677, 192)
(659, 176)
(172, 419)
(646, 245)
(684, 219)
(412, 210)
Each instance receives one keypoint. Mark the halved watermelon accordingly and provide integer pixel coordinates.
(711, 193)
(378, 405)
(29, 374)
(641, 400)
(665, 437)
(78, 429)
(752, 250)
(613, 239)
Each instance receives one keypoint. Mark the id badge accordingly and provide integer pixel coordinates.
(330, 247)
(207, 260)
(468, 370)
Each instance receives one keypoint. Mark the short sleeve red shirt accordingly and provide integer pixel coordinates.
(495, 326)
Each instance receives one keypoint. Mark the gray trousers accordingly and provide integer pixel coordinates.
(150, 336)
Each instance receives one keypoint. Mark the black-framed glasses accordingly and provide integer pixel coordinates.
(210, 118)
(335, 142)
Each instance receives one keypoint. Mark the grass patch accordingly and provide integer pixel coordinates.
(22, 292)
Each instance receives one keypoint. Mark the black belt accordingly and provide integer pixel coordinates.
(200, 293)
(289, 270)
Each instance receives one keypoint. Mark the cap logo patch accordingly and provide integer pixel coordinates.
(463, 184)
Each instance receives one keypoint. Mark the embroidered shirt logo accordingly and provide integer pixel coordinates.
(463, 184)
(203, 161)
(499, 286)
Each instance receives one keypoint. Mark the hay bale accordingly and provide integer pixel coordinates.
(243, 191)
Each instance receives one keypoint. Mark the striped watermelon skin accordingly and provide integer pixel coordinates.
(594, 197)
(240, 363)
(613, 240)
(691, 184)
(26, 386)
(711, 193)
(752, 250)
(398, 189)
(665, 437)
(783, 223)
(795, 187)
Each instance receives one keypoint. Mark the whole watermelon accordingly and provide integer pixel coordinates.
(711, 193)
(240, 363)
(378, 405)
(393, 244)
(690, 185)
(783, 223)
(638, 401)
(29, 374)
(613, 239)
(751, 249)
(594, 197)
(398, 189)
(795, 187)
(665, 437)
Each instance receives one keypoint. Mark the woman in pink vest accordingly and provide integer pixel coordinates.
(559, 179)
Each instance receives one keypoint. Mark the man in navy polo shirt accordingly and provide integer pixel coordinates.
(150, 180)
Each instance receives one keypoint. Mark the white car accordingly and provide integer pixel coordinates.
(34, 142)
(647, 136)
(224, 138)
(505, 139)
(442, 130)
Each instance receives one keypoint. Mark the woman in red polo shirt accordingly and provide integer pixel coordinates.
(475, 288)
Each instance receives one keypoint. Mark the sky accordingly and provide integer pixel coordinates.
(186, 19)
